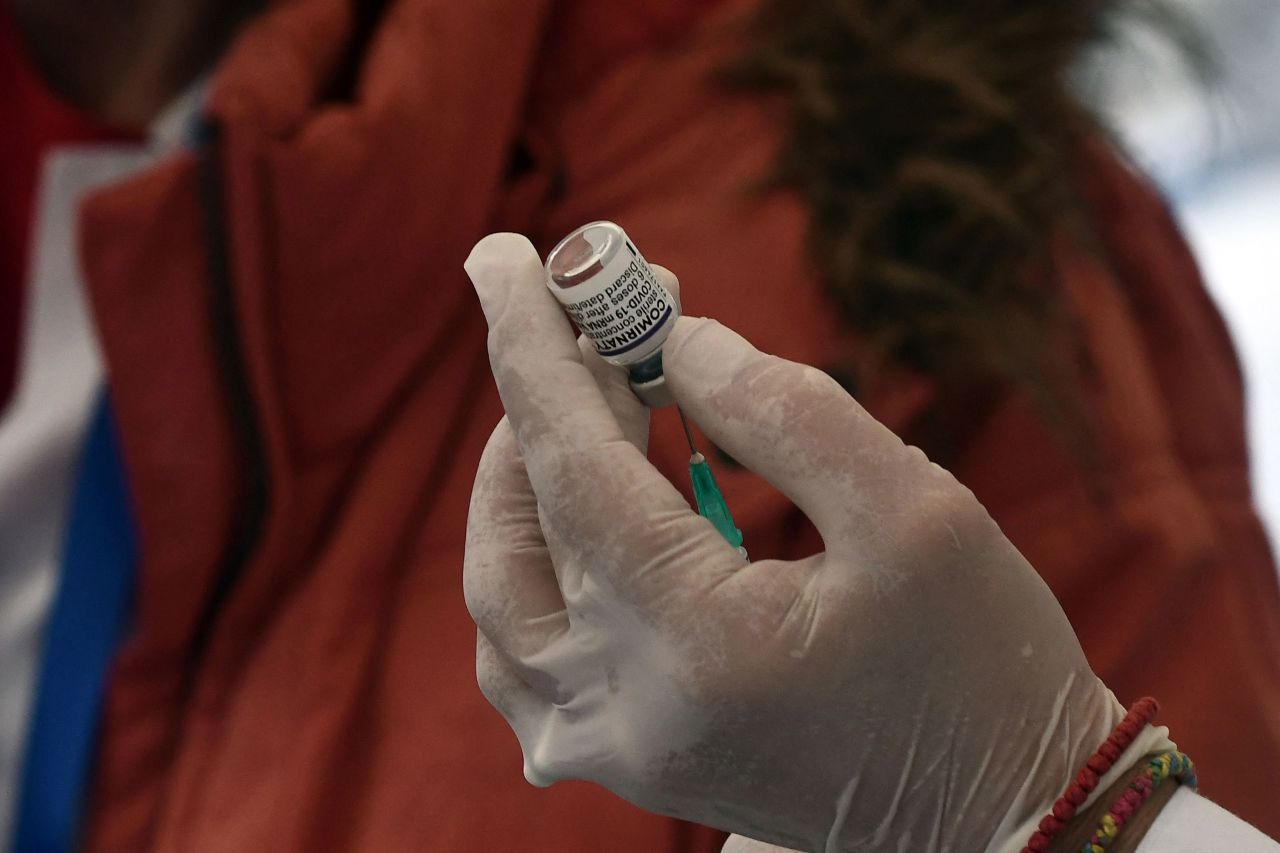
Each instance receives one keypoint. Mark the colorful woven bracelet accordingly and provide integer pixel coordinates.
(1140, 715)
(1168, 765)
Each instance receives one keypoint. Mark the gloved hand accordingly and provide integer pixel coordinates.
(914, 687)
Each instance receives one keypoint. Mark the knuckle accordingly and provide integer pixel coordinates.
(497, 683)
(490, 684)
(474, 593)
(945, 518)
(685, 330)
(802, 397)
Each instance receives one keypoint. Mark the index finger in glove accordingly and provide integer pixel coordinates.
(507, 577)
(592, 484)
(513, 589)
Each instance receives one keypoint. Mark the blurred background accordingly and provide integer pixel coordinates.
(1214, 147)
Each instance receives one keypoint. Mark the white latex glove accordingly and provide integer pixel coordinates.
(914, 687)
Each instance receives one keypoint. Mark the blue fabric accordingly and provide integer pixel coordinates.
(90, 615)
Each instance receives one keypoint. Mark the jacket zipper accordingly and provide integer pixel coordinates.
(250, 514)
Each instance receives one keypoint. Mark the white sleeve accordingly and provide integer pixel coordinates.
(1192, 824)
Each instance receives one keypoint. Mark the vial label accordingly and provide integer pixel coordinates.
(623, 309)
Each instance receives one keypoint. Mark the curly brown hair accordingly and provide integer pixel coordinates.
(932, 141)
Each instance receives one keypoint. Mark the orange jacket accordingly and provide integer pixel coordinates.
(299, 372)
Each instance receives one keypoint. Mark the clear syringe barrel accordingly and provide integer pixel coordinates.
(613, 296)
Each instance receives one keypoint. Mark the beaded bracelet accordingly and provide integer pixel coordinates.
(1168, 765)
(1140, 715)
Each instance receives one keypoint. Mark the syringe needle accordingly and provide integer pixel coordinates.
(688, 433)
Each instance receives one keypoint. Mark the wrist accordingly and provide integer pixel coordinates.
(1081, 828)
(1128, 746)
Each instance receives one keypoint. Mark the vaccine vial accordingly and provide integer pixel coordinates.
(613, 296)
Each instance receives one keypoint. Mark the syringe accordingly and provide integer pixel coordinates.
(707, 494)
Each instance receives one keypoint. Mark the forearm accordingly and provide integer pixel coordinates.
(1192, 824)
